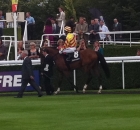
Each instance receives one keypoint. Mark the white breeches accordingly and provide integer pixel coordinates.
(69, 50)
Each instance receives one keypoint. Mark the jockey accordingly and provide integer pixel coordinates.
(70, 42)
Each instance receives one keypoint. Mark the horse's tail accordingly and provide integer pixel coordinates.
(103, 64)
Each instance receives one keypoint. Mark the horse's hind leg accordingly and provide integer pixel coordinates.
(87, 82)
(99, 76)
(100, 84)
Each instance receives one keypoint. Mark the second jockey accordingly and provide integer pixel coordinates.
(70, 44)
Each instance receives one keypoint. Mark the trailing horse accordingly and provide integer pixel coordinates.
(89, 61)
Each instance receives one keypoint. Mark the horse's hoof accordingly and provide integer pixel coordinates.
(84, 91)
(55, 93)
(99, 92)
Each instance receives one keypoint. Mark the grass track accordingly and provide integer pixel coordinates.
(71, 112)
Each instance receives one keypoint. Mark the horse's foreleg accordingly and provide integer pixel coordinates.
(84, 88)
(57, 91)
(59, 84)
(87, 82)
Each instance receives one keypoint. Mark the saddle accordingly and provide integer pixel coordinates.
(71, 57)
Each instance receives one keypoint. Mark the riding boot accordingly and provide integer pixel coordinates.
(69, 57)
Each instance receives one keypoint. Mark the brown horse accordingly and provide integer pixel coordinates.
(89, 60)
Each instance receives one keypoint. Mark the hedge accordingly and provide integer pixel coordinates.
(132, 70)
(10, 32)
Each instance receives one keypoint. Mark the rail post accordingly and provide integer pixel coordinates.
(123, 76)
(130, 40)
(74, 73)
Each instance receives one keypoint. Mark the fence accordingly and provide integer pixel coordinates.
(9, 49)
(120, 42)
(25, 38)
(130, 42)
(122, 60)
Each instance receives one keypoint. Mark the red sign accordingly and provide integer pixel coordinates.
(14, 7)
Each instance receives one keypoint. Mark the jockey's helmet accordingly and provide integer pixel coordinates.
(67, 29)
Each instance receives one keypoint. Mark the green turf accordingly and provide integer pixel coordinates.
(71, 112)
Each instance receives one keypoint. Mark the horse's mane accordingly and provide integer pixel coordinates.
(55, 48)
(51, 49)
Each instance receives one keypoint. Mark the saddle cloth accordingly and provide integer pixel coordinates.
(71, 57)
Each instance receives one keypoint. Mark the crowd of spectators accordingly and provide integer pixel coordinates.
(85, 33)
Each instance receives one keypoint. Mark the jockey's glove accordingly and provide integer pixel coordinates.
(60, 52)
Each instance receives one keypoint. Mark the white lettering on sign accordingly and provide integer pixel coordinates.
(0, 79)
(7, 80)
(17, 81)
(10, 81)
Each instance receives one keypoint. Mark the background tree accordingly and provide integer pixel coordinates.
(4, 5)
(69, 9)
(126, 11)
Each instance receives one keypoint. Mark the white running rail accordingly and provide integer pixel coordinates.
(119, 42)
(122, 60)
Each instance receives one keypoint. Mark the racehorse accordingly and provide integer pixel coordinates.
(89, 61)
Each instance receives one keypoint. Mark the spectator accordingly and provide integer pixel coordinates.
(96, 30)
(91, 29)
(33, 53)
(3, 51)
(27, 75)
(1, 23)
(55, 29)
(138, 52)
(85, 21)
(47, 72)
(61, 17)
(45, 43)
(97, 47)
(48, 29)
(81, 29)
(20, 45)
(82, 45)
(117, 27)
(60, 45)
(103, 28)
(20, 49)
(30, 25)
(71, 23)
(60, 42)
